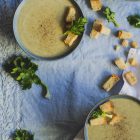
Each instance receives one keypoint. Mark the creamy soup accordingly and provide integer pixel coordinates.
(41, 27)
(129, 129)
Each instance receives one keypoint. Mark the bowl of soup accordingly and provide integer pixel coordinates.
(39, 27)
(114, 118)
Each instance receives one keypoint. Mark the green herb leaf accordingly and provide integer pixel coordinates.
(99, 113)
(134, 20)
(77, 27)
(110, 16)
(22, 135)
(23, 71)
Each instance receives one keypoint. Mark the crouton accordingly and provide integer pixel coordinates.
(98, 121)
(95, 29)
(130, 78)
(96, 5)
(134, 44)
(120, 63)
(104, 30)
(111, 82)
(71, 15)
(96, 25)
(124, 35)
(133, 62)
(116, 119)
(94, 34)
(107, 107)
(125, 43)
(71, 38)
(99, 28)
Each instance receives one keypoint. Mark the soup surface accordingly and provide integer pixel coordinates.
(41, 26)
(125, 130)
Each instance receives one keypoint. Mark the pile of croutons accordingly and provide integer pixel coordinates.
(110, 116)
(98, 29)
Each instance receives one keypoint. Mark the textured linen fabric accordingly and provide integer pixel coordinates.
(74, 81)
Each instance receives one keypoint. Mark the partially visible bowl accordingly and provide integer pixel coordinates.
(102, 102)
(26, 48)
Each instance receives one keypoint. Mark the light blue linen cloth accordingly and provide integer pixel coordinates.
(74, 81)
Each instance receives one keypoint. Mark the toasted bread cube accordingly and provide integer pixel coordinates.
(131, 78)
(107, 107)
(133, 62)
(95, 29)
(125, 43)
(96, 5)
(94, 34)
(124, 35)
(116, 119)
(120, 63)
(71, 14)
(111, 82)
(98, 121)
(134, 44)
(71, 38)
(96, 25)
(104, 30)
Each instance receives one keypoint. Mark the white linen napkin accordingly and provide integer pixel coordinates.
(126, 89)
